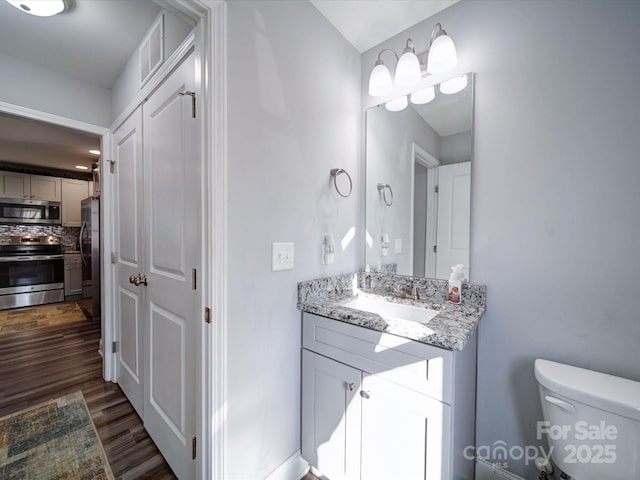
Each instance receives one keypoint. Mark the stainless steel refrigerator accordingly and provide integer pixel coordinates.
(89, 243)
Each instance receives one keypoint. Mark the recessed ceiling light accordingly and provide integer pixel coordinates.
(95, 152)
(42, 8)
(82, 167)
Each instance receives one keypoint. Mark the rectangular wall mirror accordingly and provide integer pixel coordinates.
(418, 181)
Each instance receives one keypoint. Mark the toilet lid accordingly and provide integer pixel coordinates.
(607, 392)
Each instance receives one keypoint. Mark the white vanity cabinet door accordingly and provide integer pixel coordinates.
(405, 434)
(331, 416)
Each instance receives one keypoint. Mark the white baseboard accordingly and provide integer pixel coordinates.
(293, 468)
(488, 471)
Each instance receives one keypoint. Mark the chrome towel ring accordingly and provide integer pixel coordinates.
(384, 187)
(334, 173)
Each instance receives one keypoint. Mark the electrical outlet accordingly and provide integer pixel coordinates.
(281, 256)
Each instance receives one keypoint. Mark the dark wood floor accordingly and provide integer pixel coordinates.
(38, 365)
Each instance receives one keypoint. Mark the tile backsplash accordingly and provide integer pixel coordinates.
(68, 235)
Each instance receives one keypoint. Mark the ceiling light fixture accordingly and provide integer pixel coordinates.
(440, 58)
(82, 167)
(95, 152)
(42, 8)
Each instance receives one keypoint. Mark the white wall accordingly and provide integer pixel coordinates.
(128, 84)
(390, 161)
(31, 86)
(293, 114)
(554, 228)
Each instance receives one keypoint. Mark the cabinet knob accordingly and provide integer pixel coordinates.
(351, 386)
(365, 394)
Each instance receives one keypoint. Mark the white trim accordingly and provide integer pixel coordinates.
(488, 471)
(424, 158)
(293, 468)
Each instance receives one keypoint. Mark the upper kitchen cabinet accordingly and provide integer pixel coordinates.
(73, 192)
(34, 187)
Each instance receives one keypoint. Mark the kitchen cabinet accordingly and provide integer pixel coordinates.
(378, 406)
(33, 187)
(72, 274)
(73, 192)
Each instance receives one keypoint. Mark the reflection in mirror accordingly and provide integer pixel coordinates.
(423, 155)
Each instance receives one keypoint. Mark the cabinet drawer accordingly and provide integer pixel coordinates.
(420, 367)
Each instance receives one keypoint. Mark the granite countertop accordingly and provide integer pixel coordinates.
(451, 328)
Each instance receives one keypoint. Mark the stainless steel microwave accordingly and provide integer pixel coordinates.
(17, 210)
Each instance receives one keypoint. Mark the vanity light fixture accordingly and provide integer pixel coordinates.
(455, 85)
(423, 96)
(397, 104)
(440, 58)
(42, 8)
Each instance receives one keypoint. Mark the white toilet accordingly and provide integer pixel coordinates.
(592, 422)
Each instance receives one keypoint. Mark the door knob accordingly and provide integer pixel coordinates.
(365, 394)
(132, 279)
(136, 280)
(351, 386)
(144, 280)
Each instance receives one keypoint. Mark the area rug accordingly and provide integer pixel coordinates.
(29, 318)
(53, 440)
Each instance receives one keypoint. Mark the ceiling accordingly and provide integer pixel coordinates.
(38, 144)
(366, 23)
(92, 42)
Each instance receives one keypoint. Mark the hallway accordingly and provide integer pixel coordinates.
(42, 364)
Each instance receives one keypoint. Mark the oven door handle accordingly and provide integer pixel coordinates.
(31, 258)
(82, 228)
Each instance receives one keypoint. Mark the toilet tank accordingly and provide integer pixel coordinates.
(591, 421)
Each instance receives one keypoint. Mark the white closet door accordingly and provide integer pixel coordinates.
(454, 213)
(172, 240)
(129, 245)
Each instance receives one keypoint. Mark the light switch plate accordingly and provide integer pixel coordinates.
(281, 256)
(398, 245)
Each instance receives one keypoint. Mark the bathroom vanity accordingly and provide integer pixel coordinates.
(384, 397)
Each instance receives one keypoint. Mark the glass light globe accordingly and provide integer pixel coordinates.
(380, 80)
(455, 85)
(442, 55)
(40, 8)
(397, 104)
(423, 96)
(408, 70)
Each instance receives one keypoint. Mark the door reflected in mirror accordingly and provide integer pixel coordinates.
(423, 155)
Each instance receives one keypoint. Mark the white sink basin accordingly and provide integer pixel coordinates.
(391, 310)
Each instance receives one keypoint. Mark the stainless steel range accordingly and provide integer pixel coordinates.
(31, 270)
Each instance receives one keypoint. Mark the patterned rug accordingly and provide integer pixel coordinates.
(53, 440)
(29, 318)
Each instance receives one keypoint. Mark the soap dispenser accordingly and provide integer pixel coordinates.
(454, 294)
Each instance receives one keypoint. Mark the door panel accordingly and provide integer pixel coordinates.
(454, 213)
(331, 416)
(172, 233)
(128, 233)
(391, 412)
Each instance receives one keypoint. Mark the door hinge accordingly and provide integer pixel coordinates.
(194, 279)
(193, 101)
(114, 347)
(437, 188)
(114, 257)
(112, 166)
(193, 448)
(435, 249)
(207, 314)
